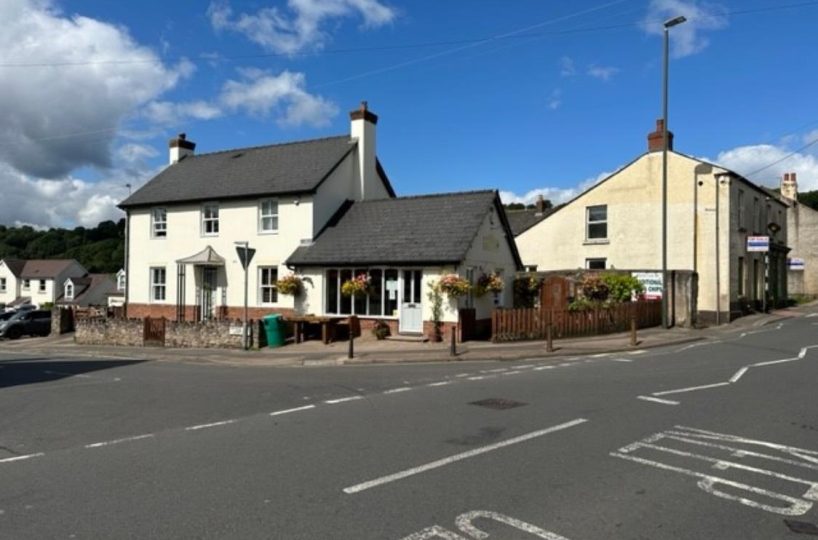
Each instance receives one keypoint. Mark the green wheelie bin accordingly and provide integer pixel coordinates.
(274, 329)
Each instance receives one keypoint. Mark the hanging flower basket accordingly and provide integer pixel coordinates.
(453, 285)
(358, 285)
(488, 283)
(290, 285)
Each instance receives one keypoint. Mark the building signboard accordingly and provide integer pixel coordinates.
(652, 282)
(758, 244)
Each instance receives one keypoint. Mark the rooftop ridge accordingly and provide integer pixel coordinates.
(265, 146)
(431, 195)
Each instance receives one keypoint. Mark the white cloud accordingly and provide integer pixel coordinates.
(553, 194)
(555, 99)
(298, 27)
(567, 68)
(603, 73)
(689, 37)
(57, 118)
(261, 93)
(747, 159)
(169, 113)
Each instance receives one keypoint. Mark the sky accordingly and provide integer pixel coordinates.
(525, 96)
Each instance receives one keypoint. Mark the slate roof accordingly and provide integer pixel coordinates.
(15, 266)
(428, 229)
(85, 285)
(45, 268)
(522, 220)
(295, 167)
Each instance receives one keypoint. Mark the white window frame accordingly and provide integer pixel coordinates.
(42, 287)
(205, 220)
(270, 285)
(121, 280)
(69, 291)
(589, 259)
(159, 227)
(157, 286)
(588, 223)
(273, 215)
(338, 295)
(26, 284)
(3, 284)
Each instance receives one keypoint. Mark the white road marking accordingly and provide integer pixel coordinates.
(690, 389)
(20, 458)
(601, 355)
(565, 364)
(540, 368)
(458, 457)
(462, 375)
(464, 523)
(396, 390)
(118, 441)
(512, 372)
(342, 400)
(477, 378)
(498, 370)
(772, 362)
(738, 374)
(640, 351)
(525, 366)
(439, 383)
(731, 445)
(658, 400)
(621, 359)
(811, 315)
(212, 424)
(435, 531)
(296, 409)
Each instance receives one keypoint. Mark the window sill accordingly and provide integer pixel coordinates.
(268, 233)
(601, 241)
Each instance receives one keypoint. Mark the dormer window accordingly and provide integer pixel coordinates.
(210, 219)
(268, 216)
(69, 290)
(159, 222)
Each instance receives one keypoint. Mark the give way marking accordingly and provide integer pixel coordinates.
(464, 523)
(753, 472)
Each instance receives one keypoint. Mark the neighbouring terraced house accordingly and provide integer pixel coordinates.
(36, 282)
(323, 209)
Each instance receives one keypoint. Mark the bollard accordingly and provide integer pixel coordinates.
(453, 346)
(633, 333)
(351, 352)
(549, 342)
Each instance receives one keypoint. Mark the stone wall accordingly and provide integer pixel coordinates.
(130, 332)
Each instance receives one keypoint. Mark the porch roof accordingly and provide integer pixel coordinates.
(206, 257)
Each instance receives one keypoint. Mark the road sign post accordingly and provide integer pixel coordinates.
(245, 253)
(761, 244)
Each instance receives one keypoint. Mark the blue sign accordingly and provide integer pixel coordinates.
(758, 243)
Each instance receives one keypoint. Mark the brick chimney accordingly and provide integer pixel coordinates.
(655, 142)
(789, 187)
(540, 205)
(362, 129)
(180, 148)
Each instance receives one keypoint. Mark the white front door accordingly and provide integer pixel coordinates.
(411, 307)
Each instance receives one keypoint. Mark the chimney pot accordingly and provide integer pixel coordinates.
(540, 204)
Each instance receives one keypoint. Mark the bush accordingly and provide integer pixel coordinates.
(622, 287)
(594, 288)
(381, 330)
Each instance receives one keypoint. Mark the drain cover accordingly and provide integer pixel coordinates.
(499, 404)
(802, 527)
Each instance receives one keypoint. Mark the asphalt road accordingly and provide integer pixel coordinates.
(677, 443)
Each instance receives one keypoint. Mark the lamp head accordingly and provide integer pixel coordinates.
(675, 21)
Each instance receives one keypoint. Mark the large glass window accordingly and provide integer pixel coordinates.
(381, 300)
(597, 222)
(268, 216)
(159, 222)
(210, 219)
(158, 282)
(268, 275)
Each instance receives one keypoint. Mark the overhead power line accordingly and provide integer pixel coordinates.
(785, 158)
(520, 34)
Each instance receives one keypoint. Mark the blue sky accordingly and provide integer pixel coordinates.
(527, 96)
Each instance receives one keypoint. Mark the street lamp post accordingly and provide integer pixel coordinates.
(667, 26)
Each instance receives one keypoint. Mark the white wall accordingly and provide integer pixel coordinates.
(238, 221)
(12, 286)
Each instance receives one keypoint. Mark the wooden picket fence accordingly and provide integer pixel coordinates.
(532, 323)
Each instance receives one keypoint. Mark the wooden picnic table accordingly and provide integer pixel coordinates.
(328, 324)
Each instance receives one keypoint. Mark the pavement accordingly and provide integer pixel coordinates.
(712, 439)
(368, 350)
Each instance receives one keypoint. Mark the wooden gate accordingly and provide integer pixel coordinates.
(154, 334)
(554, 293)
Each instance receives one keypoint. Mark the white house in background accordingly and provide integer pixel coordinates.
(116, 298)
(323, 208)
(37, 281)
(88, 290)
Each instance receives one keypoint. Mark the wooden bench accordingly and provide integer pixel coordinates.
(300, 324)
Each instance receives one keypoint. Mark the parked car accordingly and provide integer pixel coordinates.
(26, 323)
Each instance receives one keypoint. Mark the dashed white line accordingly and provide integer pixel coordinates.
(296, 409)
(20, 458)
(498, 370)
(658, 400)
(212, 424)
(526, 366)
(342, 400)
(600, 355)
(771, 362)
(564, 364)
(458, 457)
(119, 441)
(640, 351)
(512, 373)
(477, 378)
(396, 390)
(462, 375)
(739, 374)
(540, 368)
(690, 389)
(439, 383)
(621, 359)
